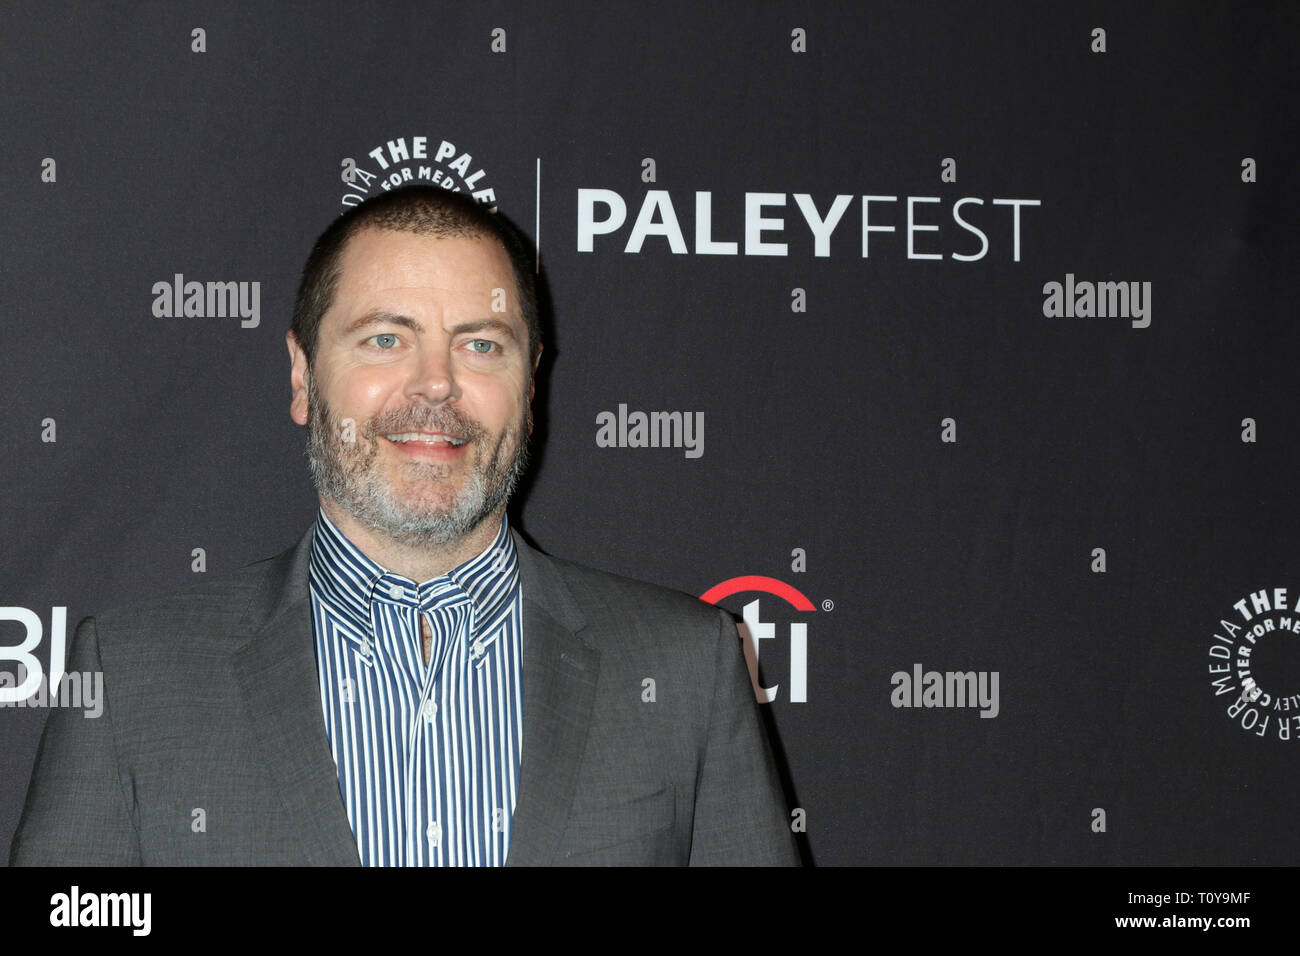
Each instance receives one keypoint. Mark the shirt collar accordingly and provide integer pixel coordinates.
(351, 582)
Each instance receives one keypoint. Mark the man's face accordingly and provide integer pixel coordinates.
(425, 351)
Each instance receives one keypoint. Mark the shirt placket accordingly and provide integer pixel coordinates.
(434, 807)
(398, 685)
(421, 752)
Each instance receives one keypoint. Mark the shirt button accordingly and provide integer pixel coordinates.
(396, 592)
(435, 833)
(430, 710)
(365, 648)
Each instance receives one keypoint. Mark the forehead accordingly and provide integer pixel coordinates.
(380, 265)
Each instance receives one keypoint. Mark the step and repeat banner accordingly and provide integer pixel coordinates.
(950, 347)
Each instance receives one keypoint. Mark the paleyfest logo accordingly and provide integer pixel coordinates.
(754, 630)
(397, 162)
(1253, 660)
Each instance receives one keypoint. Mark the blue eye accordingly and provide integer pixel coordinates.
(487, 346)
(385, 340)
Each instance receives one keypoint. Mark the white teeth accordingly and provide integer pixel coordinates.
(404, 437)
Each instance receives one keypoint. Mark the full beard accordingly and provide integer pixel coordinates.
(431, 514)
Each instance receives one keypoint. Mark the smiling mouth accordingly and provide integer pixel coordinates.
(424, 438)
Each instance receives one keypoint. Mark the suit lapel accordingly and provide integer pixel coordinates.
(559, 688)
(277, 675)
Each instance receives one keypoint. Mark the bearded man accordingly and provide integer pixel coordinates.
(411, 683)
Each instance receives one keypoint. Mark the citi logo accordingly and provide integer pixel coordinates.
(1104, 300)
(754, 630)
(635, 429)
(208, 300)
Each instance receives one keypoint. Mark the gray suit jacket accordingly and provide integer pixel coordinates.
(212, 704)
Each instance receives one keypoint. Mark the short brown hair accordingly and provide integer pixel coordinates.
(424, 210)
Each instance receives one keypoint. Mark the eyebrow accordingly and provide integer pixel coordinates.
(381, 317)
(480, 325)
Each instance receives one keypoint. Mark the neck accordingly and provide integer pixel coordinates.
(418, 562)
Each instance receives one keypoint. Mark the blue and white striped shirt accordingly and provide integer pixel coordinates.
(428, 757)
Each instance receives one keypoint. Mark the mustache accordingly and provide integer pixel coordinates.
(445, 418)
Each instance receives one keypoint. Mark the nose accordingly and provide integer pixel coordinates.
(433, 375)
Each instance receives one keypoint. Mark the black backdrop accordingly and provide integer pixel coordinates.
(1116, 484)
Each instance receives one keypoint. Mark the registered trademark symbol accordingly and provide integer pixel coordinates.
(828, 605)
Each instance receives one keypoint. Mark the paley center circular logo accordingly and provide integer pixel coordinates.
(1255, 664)
(412, 159)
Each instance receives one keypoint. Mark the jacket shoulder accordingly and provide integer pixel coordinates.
(611, 602)
(220, 604)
